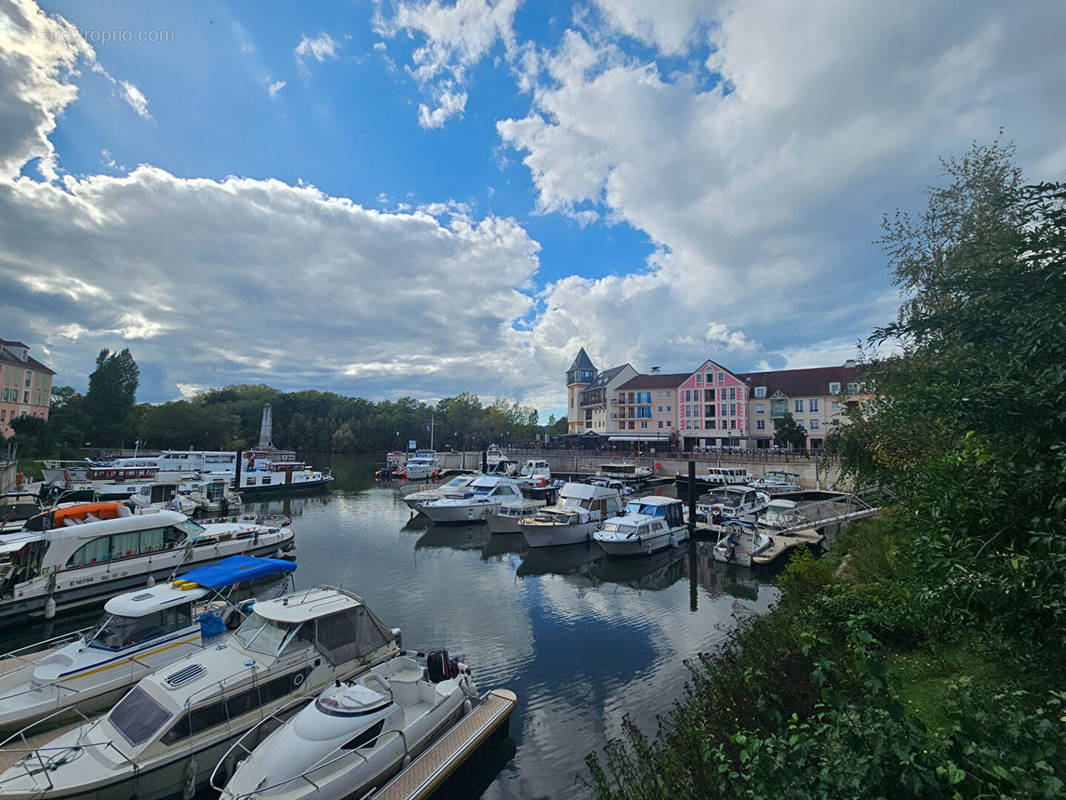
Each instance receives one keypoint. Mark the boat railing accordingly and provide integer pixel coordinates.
(281, 520)
(47, 644)
(43, 765)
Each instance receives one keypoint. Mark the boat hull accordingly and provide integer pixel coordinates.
(559, 535)
(498, 523)
(646, 546)
(454, 514)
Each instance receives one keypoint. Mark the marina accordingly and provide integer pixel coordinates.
(539, 623)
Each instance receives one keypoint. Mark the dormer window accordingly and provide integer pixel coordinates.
(760, 391)
(853, 388)
(834, 388)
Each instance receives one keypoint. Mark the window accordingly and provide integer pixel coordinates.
(760, 408)
(710, 424)
(732, 392)
(708, 411)
(3, 416)
(732, 424)
(853, 388)
(668, 409)
(660, 409)
(25, 397)
(721, 377)
(644, 423)
(732, 409)
(669, 392)
(813, 426)
(699, 379)
(812, 404)
(708, 395)
(137, 716)
(834, 388)
(834, 405)
(688, 411)
(688, 395)
(118, 632)
(799, 405)
(365, 739)
(760, 424)
(631, 425)
(668, 423)
(660, 423)
(760, 391)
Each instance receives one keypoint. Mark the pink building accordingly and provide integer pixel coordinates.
(712, 408)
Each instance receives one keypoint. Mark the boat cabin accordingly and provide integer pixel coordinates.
(671, 509)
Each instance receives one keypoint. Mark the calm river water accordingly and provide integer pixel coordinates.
(581, 640)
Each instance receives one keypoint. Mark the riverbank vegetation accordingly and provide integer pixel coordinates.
(229, 418)
(922, 657)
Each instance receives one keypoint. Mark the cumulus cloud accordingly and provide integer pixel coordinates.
(274, 88)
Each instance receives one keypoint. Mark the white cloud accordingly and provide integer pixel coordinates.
(670, 27)
(136, 99)
(274, 88)
(319, 48)
(454, 38)
(448, 105)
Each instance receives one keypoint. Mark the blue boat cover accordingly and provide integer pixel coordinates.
(236, 569)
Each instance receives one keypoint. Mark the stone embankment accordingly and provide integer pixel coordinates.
(814, 472)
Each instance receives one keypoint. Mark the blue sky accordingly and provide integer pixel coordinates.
(384, 198)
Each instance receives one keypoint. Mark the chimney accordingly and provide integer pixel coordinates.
(849, 364)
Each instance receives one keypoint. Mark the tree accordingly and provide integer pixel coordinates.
(111, 397)
(61, 395)
(789, 433)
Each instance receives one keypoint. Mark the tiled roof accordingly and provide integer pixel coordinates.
(581, 361)
(660, 380)
(812, 382)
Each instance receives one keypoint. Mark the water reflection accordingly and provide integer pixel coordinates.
(581, 640)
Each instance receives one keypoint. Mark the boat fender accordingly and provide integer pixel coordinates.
(50, 607)
(190, 780)
(150, 582)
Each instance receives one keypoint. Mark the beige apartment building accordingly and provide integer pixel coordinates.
(25, 385)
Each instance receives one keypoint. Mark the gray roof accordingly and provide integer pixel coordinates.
(605, 377)
(582, 362)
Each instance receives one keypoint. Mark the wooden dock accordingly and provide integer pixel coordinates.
(426, 773)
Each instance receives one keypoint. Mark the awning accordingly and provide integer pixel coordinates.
(236, 569)
(639, 437)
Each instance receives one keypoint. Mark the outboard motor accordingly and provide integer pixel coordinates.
(439, 667)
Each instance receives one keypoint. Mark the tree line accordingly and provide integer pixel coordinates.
(107, 416)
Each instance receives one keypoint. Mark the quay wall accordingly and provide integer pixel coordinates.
(815, 472)
(8, 475)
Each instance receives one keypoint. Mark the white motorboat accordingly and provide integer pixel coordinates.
(16, 508)
(777, 482)
(582, 507)
(739, 542)
(164, 494)
(69, 555)
(731, 502)
(419, 495)
(649, 524)
(353, 737)
(507, 467)
(625, 471)
(140, 631)
(484, 496)
(511, 513)
(713, 478)
(781, 514)
(212, 495)
(165, 736)
(493, 456)
(423, 464)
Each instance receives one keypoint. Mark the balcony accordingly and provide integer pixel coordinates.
(778, 413)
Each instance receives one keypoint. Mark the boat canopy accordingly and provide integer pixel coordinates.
(237, 569)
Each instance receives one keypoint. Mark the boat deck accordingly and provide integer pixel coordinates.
(16, 750)
(423, 775)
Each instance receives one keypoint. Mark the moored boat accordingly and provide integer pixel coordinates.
(511, 513)
(422, 465)
(76, 554)
(777, 482)
(140, 631)
(739, 542)
(164, 737)
(353, 736)
(420, 494)
(485, 495)
(582, 507)
(649, 525)
(731, 502)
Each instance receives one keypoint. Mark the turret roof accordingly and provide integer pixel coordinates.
(581, 362)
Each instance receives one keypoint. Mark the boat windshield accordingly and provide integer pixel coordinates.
(263, 635)
(646, 508)
(116, 632)
(461, 481)
(615, 527)
(191, 529)
(483, 490)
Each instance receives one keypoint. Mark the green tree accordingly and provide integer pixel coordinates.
(111, 397)
(789, 433)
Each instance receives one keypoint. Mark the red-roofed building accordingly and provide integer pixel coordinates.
(25, 385)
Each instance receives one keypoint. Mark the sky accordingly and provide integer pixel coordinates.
(423, 198)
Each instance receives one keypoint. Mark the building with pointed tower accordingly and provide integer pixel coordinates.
(589, 393)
